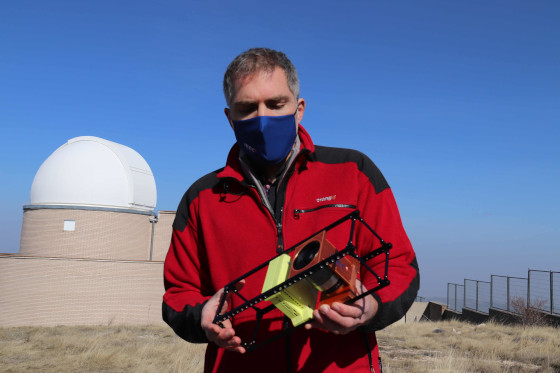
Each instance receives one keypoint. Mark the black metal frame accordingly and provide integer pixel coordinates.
(350, 249)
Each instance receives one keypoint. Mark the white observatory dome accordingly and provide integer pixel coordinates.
(90, 171)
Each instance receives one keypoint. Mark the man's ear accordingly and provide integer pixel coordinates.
(226, 112)
(300, 110)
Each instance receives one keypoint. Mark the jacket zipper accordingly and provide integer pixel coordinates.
(277, 221)
(280, 241)
(297, 212)
(280, 201)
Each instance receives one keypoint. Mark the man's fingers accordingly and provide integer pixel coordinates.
(338, 318)
(327, 319)
(225, 336)
(348, 310)
(222, 336)
(239, 285)
(334, 320)
(237, 348)
(230, 341)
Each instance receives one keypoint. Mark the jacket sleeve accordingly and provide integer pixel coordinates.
(379, 209)
(185, 279)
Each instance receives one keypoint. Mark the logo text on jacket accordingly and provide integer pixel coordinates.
(329, 198)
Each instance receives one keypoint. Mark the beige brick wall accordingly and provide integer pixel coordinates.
(98, 234)
(162, 234)
(99, 274)
(48, 292)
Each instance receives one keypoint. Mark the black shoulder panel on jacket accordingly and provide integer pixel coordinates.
(206, 182)
(339, 155)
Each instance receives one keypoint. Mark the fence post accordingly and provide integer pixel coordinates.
(455, 307)
(491, 291)
(476, 296)
(551, 293)
(529, 288)
(464, 293)
(507, 294)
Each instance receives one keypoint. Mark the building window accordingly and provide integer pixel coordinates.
(69, 225)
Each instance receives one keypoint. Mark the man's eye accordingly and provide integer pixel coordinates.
(246, 110)
(276, 106)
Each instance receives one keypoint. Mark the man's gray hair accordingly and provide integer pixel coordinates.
(259, 59)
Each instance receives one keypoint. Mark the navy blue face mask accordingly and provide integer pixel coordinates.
(266, 139)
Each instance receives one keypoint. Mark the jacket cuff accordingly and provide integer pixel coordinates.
(389, 312)
(186, 324)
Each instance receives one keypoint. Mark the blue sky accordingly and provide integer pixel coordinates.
(457, 102)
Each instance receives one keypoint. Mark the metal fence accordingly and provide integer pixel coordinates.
(506, 291)
(541, 290)
(455, 296)
(477, 295)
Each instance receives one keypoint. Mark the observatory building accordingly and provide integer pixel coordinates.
(92, 246)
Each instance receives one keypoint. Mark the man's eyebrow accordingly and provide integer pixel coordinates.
(278, 98)
(244, 103)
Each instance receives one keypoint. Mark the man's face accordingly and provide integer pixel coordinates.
(264, 94)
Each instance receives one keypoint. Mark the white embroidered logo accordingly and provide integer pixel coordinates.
(329, 198)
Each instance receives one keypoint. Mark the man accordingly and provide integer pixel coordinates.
(276, 189)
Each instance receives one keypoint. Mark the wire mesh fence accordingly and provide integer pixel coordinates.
(499, 292)
(505, 290)
(555, 293)
(518, 288)
(455, 296)
(541, 290)
(477, 295)
(483, 300)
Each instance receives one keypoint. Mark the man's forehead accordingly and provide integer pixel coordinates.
(277, 78)
(261, 73)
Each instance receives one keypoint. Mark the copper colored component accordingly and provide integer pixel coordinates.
(336, 281)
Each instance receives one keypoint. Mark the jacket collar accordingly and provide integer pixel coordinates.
(233, 167)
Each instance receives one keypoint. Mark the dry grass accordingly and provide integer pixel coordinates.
(419, 347)
(463, 348)
(97, 349)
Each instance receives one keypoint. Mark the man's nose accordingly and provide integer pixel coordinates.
(263, 110)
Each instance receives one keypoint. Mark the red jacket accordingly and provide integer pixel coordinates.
(223, 229)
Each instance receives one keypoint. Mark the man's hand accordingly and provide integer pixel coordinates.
(342, 318)
(223, 337)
